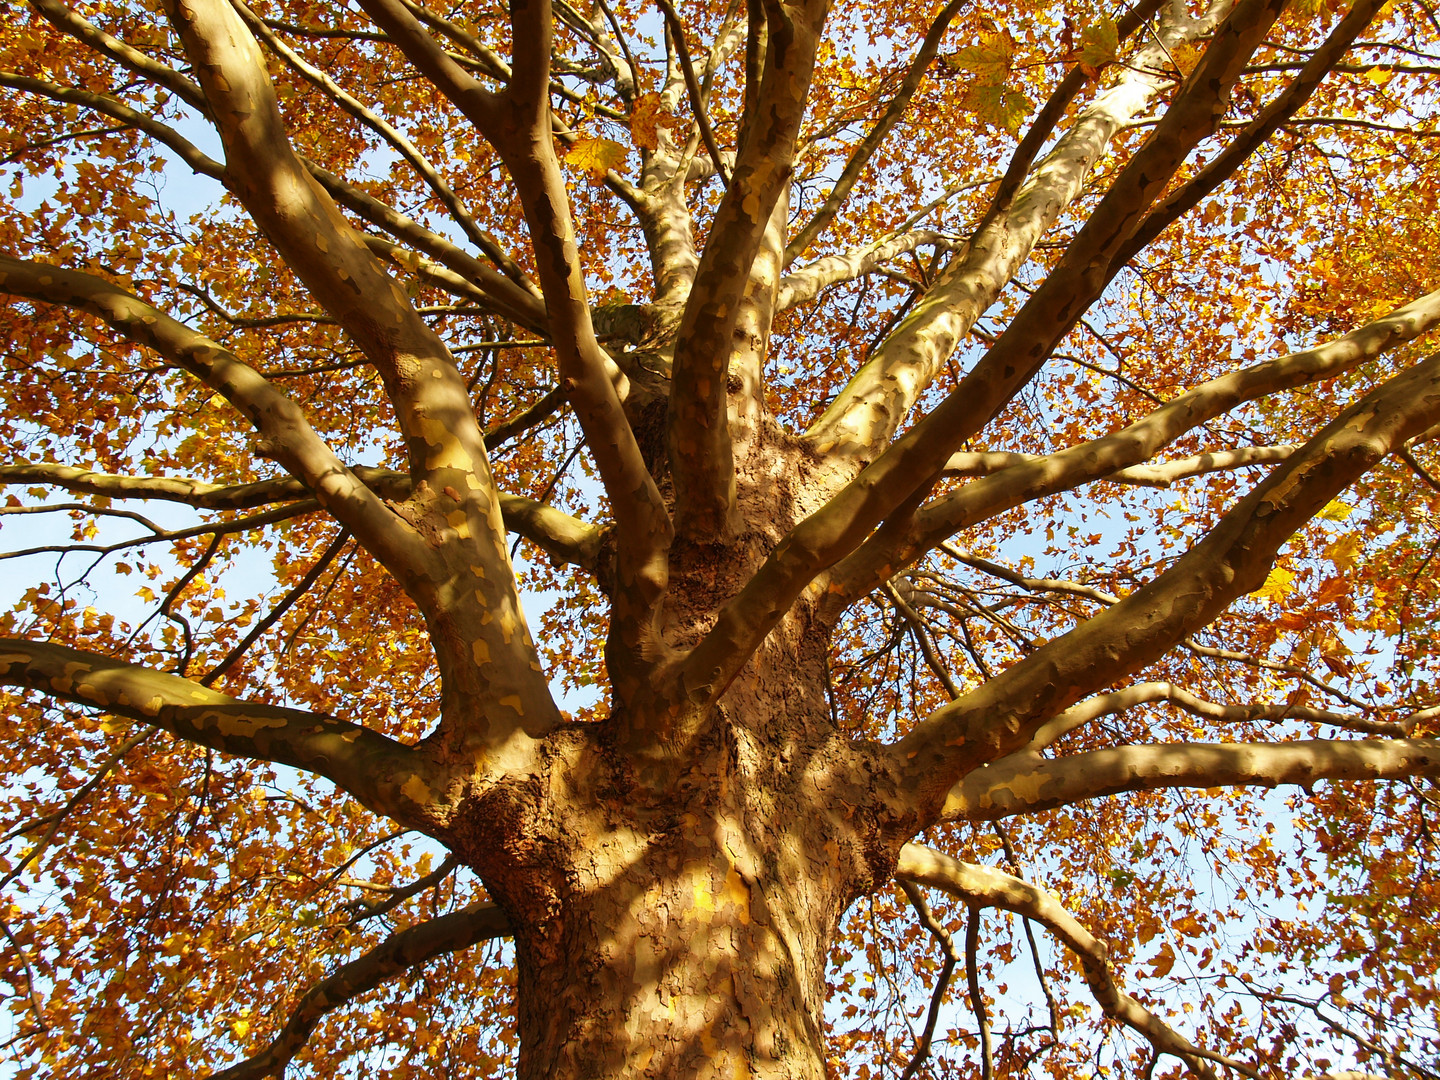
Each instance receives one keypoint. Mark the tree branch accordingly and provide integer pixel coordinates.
(861, 155)
(1119, 454)
(947, 968)
(397, 954)
(375, 769)
(992, 888)
(518, 124)
(1026, 783)
(872, 406)
(701, 458)
(1004, 714)
(561, 536)
(1150, 692)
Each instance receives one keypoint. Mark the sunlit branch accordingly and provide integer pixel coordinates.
(565, 538)
(1258, 132)
(397, 954)
(1231, 560)
(478, 282)
(80, 28)
(873, 405)
(387, 131)
(988, 887)
(365, 763)
(1160, 474)
(331, 258)
(701, 456)
(1150, 692)
(183, 148)
(1026, 783)
(519, 124)
(809, 281)
(1020, 481)
(1050, 114)
(692, 87)
(865, 149)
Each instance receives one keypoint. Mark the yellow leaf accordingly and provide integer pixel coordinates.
(241, 1028)
(1335, 510)
(145, 593)
(1278, 584)
(1099, 45)
(1344, 551)
(1186, 57)
(990, 58)
(597, 156)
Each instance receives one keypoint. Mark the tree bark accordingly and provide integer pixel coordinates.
(678, 924)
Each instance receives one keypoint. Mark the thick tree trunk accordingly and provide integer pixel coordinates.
(680, 930)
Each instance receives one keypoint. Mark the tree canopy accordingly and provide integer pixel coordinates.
(750, 538)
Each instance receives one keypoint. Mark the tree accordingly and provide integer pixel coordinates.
(975, 451)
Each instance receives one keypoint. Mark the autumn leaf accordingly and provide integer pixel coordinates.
(989, 58)
(596, 156)
(1343, 551)
(997, 106)
(646, 118)
(1162, 962)
(1186, 57)
(1335, 510)
(1099, 46)
(1278, 585)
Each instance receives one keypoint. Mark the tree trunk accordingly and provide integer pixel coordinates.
(683, 930)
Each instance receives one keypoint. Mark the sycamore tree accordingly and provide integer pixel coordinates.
(956, 462)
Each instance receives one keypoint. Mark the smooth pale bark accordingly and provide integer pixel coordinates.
(1025, 783)
(380, 772)
(1011, 481)
(989, 887)
(1003, 715)
(873, 405)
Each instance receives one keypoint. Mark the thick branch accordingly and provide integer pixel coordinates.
(1118, 456)
(808, 282)
(518, 123)
(397, 954)
(1233, 559)
(1259, 130)
(701, 459)
(456, 568)
(992, 888)
(1027, 783)
(871, 408)
(563, 537)
(373, 768)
